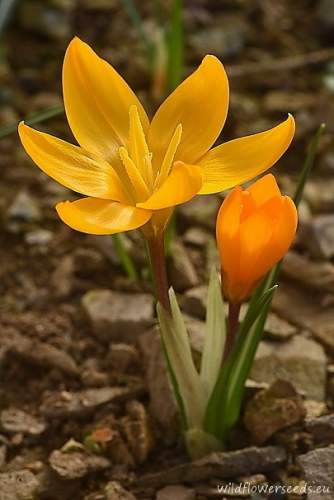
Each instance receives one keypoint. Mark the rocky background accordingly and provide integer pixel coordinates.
(84, 406)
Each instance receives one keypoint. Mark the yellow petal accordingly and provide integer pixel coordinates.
(240, 160)
(94, 216)
(181, 185)
(71, 166)
(97, 101)
(200, 104)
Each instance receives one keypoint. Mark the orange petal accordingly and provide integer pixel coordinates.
(200, 105)
(182, 184)
(228, 234)
(97, 101)
(238, 161)
(264, 189)
(95, 216)
(71, 166)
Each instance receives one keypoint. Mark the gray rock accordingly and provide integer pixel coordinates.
(223, 465)
(306, 311)
(24, 208)
(76, 465)
(137, 429)
(318, 467)
(273, 409)
(318, 236)
(277, 328)
(118, 316)
(122, 356)
(322, 429)
(176, 492)
(194, 301)
(318, 194)
(201, 211)
(298, 360)
(311, 274)
(196, 236)
(13, 420)
(115, 491)
(38, 237)
(162, 404)
(77, 404)
(224, 39)
(33, 351)
(18, 485)
(182, 272)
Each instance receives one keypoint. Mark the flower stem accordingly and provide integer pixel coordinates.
(156, 246)
(233, 321)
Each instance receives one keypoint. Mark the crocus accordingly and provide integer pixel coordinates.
(131, 171)
(255, 228)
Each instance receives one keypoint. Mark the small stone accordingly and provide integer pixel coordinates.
(62, 278)
(115, 491)
(196, 236)
(306, 311)
(123, 356)
(118, 316)
(162, 404)
(225, 39)
(77, 404)
(314, 409)
(18, 485)
(277, 328)
(318, 467)
(322, 429)
(182, 271)
(15, 421)
(223, 465)
(201, 211)
(298, 360)
(138, 431)
(318, 236)
(176, 493)
(273, 409)
(194, 301)
(311, 274)
(39, 237)
(317, 193)
(33, 351)
(24, 208)
(196, 332)
(76, 465)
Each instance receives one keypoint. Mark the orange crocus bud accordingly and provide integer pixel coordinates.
(255, 228)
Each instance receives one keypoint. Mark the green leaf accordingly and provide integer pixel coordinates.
(175, 47)
(39, 117)
(200, 443)
(124, 256)
(178, 350)
(215, 337)
(249, 335)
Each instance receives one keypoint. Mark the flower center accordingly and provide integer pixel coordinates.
(139, 178)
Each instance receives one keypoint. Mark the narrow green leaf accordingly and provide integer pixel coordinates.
(124, 257)
(177, 345)
(175, 46)
(138, 24)
(33, 119)
(308, 164)
(242, 358)
(215, 336)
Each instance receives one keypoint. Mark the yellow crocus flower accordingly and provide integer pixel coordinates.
(133, 171)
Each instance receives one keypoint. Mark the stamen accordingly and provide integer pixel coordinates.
(169, 157)
(140, 188)
(138, 148)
